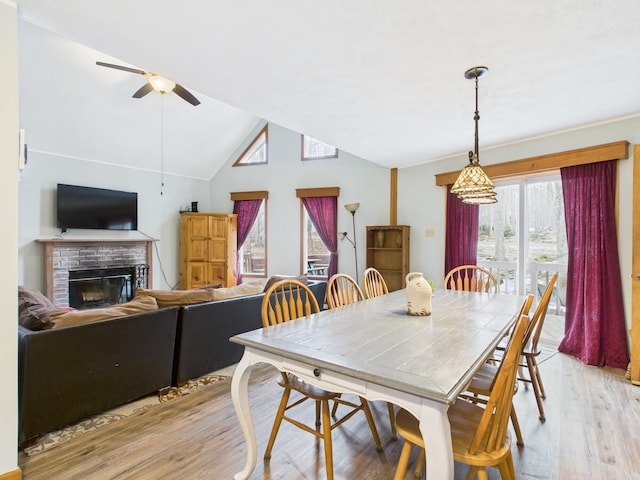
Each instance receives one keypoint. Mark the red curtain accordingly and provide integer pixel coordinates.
(323, 213)
(247, 211)
(461, 237)
(594, 319)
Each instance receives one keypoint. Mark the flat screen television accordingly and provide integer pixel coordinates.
(96, 208)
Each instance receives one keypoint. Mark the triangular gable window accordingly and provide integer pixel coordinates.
(313, 149)
(256, 152)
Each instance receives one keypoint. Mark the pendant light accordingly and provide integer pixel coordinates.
(473, 185)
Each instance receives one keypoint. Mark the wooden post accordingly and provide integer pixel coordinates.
(393, 200)
(635, 280)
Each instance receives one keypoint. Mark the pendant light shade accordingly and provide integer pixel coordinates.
(473, 185)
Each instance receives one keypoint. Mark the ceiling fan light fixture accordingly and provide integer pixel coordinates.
(161, 84)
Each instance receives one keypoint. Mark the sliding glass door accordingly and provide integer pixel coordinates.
(522, 238)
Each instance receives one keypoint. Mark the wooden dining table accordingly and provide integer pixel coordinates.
(376, 350)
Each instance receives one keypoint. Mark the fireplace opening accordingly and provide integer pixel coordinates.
(101, 287)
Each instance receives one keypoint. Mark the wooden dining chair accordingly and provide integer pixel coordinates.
(284, 301)
(471, 278)
(373, 283)
(482, 383)
(479, 434)
(343, 290)
(531, 349)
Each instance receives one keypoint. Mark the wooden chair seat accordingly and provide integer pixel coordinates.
(479, 436)
(285, 301)
(344, 290)
(464, 416)
(480, 388)
(532, 350)
(482, 383)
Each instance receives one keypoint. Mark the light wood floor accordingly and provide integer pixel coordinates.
(592, 432)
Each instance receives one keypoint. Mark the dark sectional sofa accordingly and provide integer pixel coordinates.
(68, 373)
(203, 346)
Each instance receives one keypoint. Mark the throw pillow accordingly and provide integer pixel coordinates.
(276, 278)
(249, 288)
(139, 304)
(35, 309)
(169, 298)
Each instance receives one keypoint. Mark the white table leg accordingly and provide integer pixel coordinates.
(436, 434)
(240, 398)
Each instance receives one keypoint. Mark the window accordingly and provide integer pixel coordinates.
(254, 249)
(256, 152)
(313, 149)
(316, 252)
(318, 231)
(522, 238)
(251, 208)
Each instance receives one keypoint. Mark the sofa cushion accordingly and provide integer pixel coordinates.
(249, 288)
(276, 278)
(35, 309)
(169, 298)
(139, 304)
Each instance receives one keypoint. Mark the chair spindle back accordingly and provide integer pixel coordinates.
(471, 278)
(343, 290)
(287, 300)
(374, 284)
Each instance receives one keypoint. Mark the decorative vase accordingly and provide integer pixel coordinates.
(399, 240)
(418, 294)
(380, 238)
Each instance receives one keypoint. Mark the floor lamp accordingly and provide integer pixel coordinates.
(352, 208)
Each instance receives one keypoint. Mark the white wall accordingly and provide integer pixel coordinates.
(421, 203)
(158, 215)
(9, 221)
(359, 181)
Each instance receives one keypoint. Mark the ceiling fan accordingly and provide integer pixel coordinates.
(156, 82)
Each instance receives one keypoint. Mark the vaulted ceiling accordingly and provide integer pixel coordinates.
(381, 79)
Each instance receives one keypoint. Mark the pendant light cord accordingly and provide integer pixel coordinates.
(476, 118)
(161, 144)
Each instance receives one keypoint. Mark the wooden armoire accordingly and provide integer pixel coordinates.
(208, 245)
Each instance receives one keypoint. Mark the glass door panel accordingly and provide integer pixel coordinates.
(522, 238)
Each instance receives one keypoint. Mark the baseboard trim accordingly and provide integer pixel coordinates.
(12, 475)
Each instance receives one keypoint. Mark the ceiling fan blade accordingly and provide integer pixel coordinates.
(143, 90)
(121, 67)
(186, 95)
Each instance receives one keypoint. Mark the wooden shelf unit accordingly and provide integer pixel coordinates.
(388, 252)
(208, 245)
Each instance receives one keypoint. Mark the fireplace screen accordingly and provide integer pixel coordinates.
(101, 287)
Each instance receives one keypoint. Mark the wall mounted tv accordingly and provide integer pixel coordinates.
(96, 208)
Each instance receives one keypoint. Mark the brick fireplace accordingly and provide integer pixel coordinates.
(99, 262)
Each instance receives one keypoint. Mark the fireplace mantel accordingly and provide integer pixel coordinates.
(65, 254)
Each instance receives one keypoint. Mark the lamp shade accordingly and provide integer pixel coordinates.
(472, 180)
(352, 207)
(480, 198)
